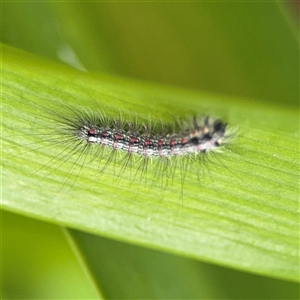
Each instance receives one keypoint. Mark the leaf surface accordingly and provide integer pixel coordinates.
(242, 212)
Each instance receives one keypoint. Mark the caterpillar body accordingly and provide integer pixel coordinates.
(91, 138)
(201, 135)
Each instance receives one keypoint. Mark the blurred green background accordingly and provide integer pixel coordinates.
(247, 49)
(234, 48)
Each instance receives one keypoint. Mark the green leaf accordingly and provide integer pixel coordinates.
(242, 211)
(158, 275)
(37, 262)
(41, 259)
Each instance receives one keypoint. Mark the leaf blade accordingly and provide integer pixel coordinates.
(243, 211)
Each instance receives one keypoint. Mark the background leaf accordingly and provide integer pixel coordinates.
(243, 48)
(49, 262)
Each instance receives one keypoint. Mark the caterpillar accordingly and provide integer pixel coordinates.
(90, 136)
(196, 136)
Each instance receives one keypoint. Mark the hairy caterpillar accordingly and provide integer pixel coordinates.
(156, 152)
